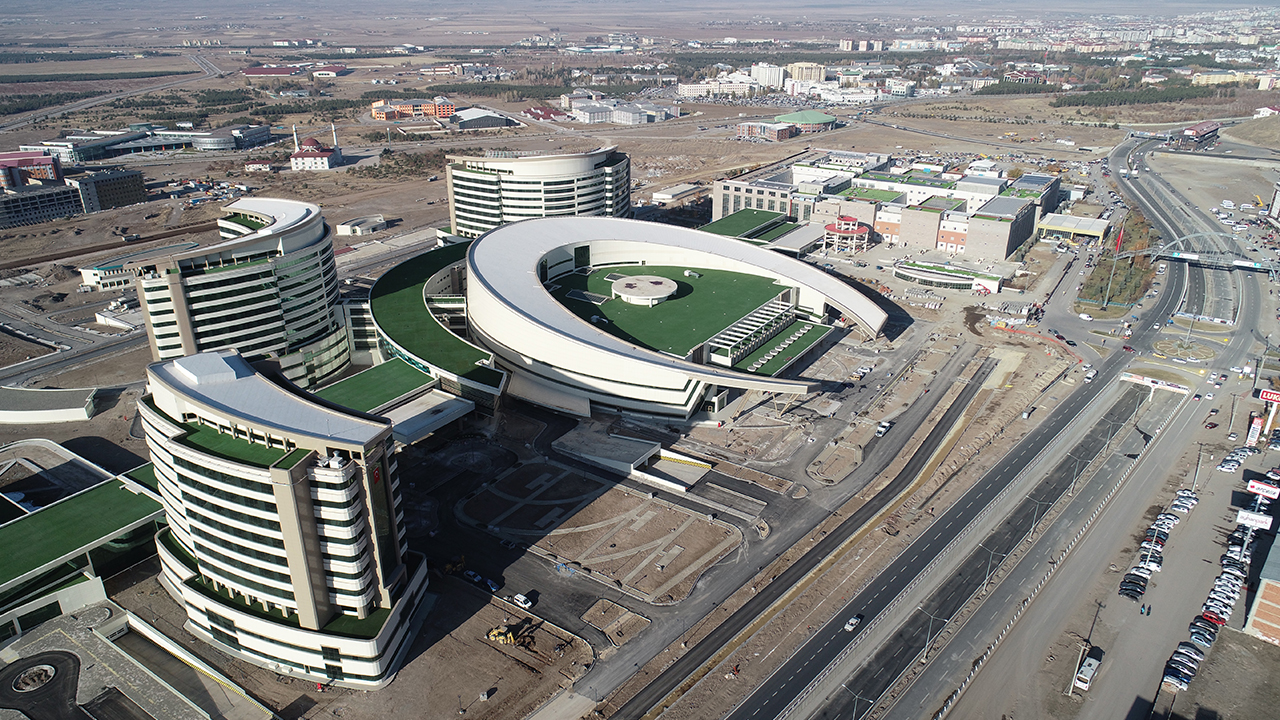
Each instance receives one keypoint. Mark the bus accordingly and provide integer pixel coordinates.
(1088, 668)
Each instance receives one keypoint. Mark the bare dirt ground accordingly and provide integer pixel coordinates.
(1218, 179)
(451, 663)
(1262, 132)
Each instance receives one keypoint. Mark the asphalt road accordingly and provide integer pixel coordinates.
(872, 680)
(661, 686)
(776, 693)
(1133, 662)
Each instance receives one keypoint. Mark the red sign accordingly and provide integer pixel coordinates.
(1269, 395)
(1258, 487)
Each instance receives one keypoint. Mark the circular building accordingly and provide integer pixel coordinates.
(704, 314)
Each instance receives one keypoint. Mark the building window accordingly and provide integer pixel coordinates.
(331, 655)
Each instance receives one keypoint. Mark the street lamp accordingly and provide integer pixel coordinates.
(991, 555)
(1036, 516)
(1075, 474)
(929, 635)
(856, 698)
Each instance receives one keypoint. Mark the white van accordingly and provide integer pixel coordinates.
(1228, 205)
(1086, 317)
(1090, 375)
(1088, 668)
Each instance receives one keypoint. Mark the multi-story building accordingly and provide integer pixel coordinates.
(269, 291)
(807, 72)
(33, 204)
(439, 107)
(485, 192)
(110, 189)
(770, 76)
(849, 193)
(20, 168)
(285, 542)
(769, 131)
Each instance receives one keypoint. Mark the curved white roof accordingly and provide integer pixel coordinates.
(505, 261)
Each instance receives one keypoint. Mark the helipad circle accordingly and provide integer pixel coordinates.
(643, 289)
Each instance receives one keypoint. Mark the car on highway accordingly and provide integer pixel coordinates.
(852, 623)
(1129, 349)
(1208, 396)
(1196, 397)
(1213, 412)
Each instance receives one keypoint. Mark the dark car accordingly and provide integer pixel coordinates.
(1210, 426)
(1072, 343)
(1129, 348)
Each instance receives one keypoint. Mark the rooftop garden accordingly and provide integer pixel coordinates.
(700, 308)
(229, 447)
(376, 386)
(398, 308)
(45, 535)
(741, 223)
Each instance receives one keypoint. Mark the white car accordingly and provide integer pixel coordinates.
(852, 623)
(522, 601)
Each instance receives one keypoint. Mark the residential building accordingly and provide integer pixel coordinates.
(285, 542)
(770, 76)
(110, 189)
(268, 291)
(492, 190)
(717, 88)
(807, 72)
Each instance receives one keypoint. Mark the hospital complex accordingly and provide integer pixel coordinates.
(274, 454)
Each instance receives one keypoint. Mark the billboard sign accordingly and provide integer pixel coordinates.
(1252, 519)
(1269, 395)
(1257, 487)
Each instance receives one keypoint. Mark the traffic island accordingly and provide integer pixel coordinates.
(1180, 349)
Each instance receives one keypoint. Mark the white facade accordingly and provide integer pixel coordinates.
(285, 543)
(560, 361)
(270, 291)
(485, 192)
(770, 76)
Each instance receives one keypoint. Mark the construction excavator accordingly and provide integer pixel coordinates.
(519, 634)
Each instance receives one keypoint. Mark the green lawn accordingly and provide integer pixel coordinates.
(794, 350)
(741, 222)
(43, 536)
(377, 385)
(228, 447)
(700, 308)
(398, 308)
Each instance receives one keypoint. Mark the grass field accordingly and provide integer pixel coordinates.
(700, 308)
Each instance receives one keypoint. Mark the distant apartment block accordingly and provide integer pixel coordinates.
(486, 192)
(807, 72)
(269, 290)
(770, 76)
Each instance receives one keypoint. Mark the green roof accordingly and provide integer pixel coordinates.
(145, 475)
(741, 223)
(376, 386)
(805, 117)
(776, 232)
(229, 447)
(871, 194)
(700, 308)
(401, 313)
(100, 513)
(793, 351)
